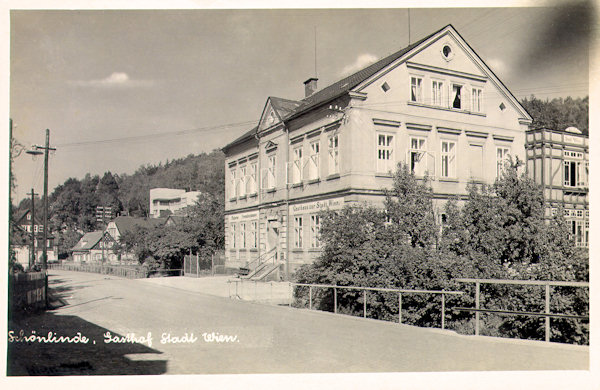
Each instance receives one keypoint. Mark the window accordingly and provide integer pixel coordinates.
(334, 165)
(243, 235)
(251, 180)
(233, 243)
(448, 159)
(476, 100)
(298, 232)
(502, 158)
(575, 173)
(315, 228)
(437, 88)
(476, 161)
(297, 166)
(268, 173)
(416, 156)
(35, 228)
(29, 217)
(416, 91)
(241, 187)
(232, 182)
(385, 152)
(313, 161)
(253, 244)
(456, 96)
(577, 232)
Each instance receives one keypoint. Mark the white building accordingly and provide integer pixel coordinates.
(166, 201)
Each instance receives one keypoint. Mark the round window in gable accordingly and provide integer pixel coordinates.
(447, 52)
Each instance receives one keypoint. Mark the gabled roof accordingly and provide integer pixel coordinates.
(127, 223)
(346, 84)
(24, 213)
(88, 241)
(289, 109)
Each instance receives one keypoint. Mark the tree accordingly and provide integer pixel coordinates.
(558, 113)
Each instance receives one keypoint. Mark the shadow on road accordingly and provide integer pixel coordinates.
(56, 359)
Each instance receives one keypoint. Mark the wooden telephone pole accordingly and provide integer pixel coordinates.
(36, 150)
(32, 210)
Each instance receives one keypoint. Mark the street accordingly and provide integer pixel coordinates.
(135, 327)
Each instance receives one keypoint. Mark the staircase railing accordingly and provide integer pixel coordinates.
(254, 264)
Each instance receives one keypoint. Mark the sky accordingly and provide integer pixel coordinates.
(124, 88)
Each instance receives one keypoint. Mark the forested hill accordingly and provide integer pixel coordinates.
(559, 113)
(72, 205)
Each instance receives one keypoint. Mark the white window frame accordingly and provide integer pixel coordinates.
(253, 234)
(580, 179)
(503, 154)
(416, 89)
(251, 179)
(268, 173)
(314, 160)
(297, 163)
(420, 166)
(448, 159)
(437, 93)
(315, 229)
(476, 99)
(241, 188)
(242, 235)
(452, 96)
(232, 182)
(386, 160)
(333, 143)
(233, 236)
(298, 232)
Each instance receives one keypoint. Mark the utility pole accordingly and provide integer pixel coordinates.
(35, 150)
(32, 250)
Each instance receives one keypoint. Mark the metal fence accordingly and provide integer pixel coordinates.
(365, 290)
(204, 265)
(546, 313)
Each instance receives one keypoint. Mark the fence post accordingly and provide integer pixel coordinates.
(476, 307)
(443, 310)
(309, 297)
(335, 300)
(291, 295)
(212, 264)
(197, 266)
(399, 307)
(547, 312)
(365, 303)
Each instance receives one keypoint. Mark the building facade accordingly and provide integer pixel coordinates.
(96, 248)
(167, 201)
(22, 252)
(434, 105)
(558, 160)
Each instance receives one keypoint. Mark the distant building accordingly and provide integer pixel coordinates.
(96, 248)
(558, 160)
(434, 105)
(122, 224)
(23, 222)
(166, 201)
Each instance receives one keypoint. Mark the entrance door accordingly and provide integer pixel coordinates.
(272, 235)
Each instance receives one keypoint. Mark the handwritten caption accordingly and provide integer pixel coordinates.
(129, 338)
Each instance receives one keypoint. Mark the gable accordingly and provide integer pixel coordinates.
(429, 60)
(269, 117)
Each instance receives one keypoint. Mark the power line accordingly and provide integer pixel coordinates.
(157, 135)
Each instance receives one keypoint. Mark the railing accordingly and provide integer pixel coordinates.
(259, 260)
(443, 294)
(124, 272)
(547, 314)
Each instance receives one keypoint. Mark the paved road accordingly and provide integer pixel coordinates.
(263, 339)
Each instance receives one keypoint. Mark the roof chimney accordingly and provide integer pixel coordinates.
(310, 86)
